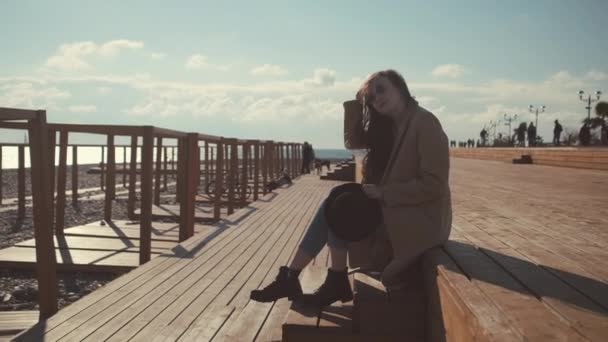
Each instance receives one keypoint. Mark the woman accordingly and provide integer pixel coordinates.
(406, 168)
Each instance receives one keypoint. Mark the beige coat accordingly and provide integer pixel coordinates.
(416, 194)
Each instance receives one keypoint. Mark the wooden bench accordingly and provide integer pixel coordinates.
(373, 315)
(481, 289)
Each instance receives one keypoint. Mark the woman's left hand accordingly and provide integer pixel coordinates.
(372, 191)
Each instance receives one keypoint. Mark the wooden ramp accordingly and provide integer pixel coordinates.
(201, 291)
(112, 247)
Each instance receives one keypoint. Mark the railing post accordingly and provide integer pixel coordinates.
(132, 178)
(157, 169)
(219, 178)
(206, 163)
(192, 168)
(102, 168)
(52, 139)
(21, 184)
(165, 168)
(61, 180)
(124, 167)
(232, 174)
(0, 174)
(256, 169)
(110, 179)
(147, 175)
(46, 263)
(181, 154)
(264, 158)
(244, 173)
(74, 175)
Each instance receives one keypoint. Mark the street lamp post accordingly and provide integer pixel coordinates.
(536, 110)
(589, 100)
(508, 120)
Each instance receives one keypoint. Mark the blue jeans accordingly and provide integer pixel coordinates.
(318, 234)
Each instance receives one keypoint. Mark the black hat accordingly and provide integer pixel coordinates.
(351, 215)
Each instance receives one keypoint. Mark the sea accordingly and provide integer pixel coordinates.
(92, 155)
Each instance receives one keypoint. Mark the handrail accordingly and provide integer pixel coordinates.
(99, 129)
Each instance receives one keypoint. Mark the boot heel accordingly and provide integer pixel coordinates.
(346, 299)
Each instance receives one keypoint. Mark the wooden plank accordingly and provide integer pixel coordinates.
(529, 315)
(101, 243)
(254, 314)
(13, 322)
(151, 280)
(190, 282)
(588, 318)
(206, 326)
(217, 287)
(561, 265)
(464, 312)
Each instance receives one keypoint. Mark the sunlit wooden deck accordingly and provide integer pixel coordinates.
(526, 261)
(202, 288)
(112, 247)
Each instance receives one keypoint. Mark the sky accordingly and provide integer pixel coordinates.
(281, 70)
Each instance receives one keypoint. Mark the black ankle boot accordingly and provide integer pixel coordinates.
(336, 287)
(286, 284)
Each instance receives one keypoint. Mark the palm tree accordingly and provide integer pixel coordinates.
(601, 120)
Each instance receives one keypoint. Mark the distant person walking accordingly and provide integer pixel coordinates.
(484, 136)
(557, 132)
(307, 157)
(584, 135)
(521, 134)
(531, 135)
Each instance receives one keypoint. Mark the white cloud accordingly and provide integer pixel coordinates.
(157, 55)
(448, 70)
(113, 48)
(269, 70)
(73, 56)
(596, 75)
(104, 90)
(198, 61)
(322, 77)
(31, 95)
(82, 109)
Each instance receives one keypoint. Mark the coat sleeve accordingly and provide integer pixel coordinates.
(431, 180)
(353, 125)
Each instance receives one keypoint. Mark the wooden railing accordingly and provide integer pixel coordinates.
(259, 159)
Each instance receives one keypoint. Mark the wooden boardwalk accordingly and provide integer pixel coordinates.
(526, 261)
(110, 247)
(201, 290)
(531, 241)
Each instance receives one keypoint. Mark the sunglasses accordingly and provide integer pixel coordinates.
(379, 89)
